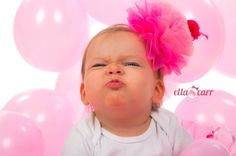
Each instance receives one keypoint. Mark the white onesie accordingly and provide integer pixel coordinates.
(164, 137)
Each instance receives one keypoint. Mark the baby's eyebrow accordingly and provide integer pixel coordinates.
(100, 59)
(121, 58)
(131, 57)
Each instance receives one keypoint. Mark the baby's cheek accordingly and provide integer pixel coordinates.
(94, 89)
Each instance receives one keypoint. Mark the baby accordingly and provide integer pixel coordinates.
(122, 70)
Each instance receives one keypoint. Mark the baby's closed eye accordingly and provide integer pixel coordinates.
(132, 64)
(99, 65)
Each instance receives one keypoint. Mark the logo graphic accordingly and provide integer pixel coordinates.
(193, 91)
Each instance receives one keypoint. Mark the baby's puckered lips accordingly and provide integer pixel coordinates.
(115, 84)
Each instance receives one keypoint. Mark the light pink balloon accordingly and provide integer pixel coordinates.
(226, 137)
(233, 151)
(205, 130)
(227, 63)
(217, 110)
(50, 34)
(205, 147)
(19, 136)
(68, 84)
(108, 11)
(52, 113)
(198, 130)
(206, 52)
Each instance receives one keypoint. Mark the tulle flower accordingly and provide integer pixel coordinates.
(166, 34)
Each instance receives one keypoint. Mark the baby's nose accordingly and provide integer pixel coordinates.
(115, 69)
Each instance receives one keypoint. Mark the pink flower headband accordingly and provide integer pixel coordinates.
(168, 35)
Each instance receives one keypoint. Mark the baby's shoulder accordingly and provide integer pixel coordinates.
(165, 119)
(164, 115)
(80, 139)
(86, 125)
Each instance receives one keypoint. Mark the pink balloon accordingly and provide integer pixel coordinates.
(198, 130)
(206, 52)
(52, 113)
(225, 136)
(233, 151)
(205, 147)
(50, 34)
(217, 110)
(107, 11)
(227, 63)
(205, 130)
(68, 84)
(19, 136)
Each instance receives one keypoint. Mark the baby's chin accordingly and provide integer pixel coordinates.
(117, 103)
(115, 113)
(116, 96)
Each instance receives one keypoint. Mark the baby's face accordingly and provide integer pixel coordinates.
(118, 79)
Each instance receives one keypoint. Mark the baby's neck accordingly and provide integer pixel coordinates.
(127, 128)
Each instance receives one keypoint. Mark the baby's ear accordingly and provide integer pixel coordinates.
(83, 94)
(158, 93)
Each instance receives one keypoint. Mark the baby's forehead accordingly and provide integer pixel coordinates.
(116, 46)
(117, 58)
(118, 38)
(110, 35)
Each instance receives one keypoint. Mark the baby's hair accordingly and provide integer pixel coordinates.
(112, 29)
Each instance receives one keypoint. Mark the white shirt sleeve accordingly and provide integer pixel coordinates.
(179, 138)
(80, 139)
(75, 145)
